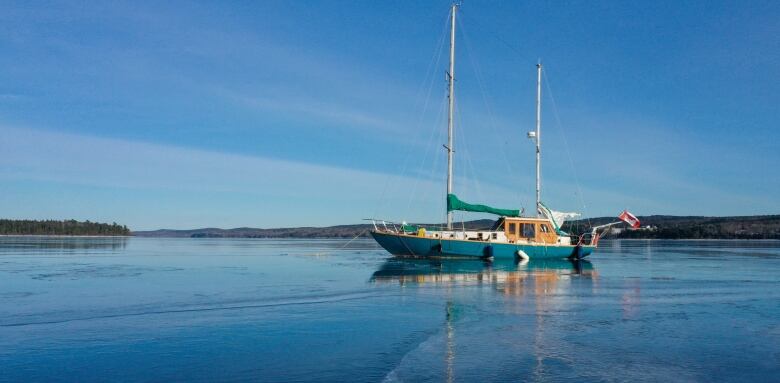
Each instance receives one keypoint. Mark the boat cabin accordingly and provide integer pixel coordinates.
(525, 229)
(516, 230)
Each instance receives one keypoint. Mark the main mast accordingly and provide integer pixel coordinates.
(451, 96)
(538, 137)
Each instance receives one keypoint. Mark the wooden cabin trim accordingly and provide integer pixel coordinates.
(543, 230)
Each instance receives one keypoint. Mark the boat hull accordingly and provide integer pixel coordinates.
(403, 244)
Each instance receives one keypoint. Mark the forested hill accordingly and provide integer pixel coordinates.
(654, 226)
(51, 227)
(340, 231)
(689, 227)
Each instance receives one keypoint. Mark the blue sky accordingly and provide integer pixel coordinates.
(265, 114)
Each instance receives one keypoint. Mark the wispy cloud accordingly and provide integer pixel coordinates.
(317, 110)
(7, 97)
(282, 192)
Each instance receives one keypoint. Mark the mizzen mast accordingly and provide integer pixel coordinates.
(537, 136)
(451, 96)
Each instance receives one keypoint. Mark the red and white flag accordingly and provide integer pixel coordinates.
(629, 218)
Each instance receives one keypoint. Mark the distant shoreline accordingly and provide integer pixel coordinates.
(665, 227)
(69, 227)
(653, 227)
(363, 237)
(66, 236)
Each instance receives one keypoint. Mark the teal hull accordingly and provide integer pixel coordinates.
(408, 245)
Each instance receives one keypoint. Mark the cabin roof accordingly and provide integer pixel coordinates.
(526, 219)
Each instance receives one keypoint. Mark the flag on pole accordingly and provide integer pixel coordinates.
(629, 218)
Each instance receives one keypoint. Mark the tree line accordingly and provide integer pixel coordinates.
(689, 227)
(54, 227)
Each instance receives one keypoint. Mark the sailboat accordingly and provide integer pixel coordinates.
(513, 235)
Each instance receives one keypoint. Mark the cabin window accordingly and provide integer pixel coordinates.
(512, 228)
(545, 228)
(528, 230)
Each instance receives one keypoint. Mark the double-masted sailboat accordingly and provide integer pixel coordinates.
(513, 235)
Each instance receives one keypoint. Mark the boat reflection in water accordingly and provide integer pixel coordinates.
(534, 287)
(510, 276)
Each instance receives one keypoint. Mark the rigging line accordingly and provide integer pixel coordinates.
(485, 96)
(465, 140)
(467, 155)
(470, 165)
(353, 238)
(437, 55)
(315, 253)
(433, 138)
(508, 44)
(425, 156)
(438, 116)
(434, 63)
(435, 195)
(429, 79)
(565, 140)
(496, 35)
(432, 176)
(429, 74)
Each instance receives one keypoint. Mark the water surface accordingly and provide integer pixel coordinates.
(141, 309)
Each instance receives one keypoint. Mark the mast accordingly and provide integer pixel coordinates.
(451, 96)
(538, 137)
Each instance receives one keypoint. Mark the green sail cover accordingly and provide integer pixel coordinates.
(453, 203)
